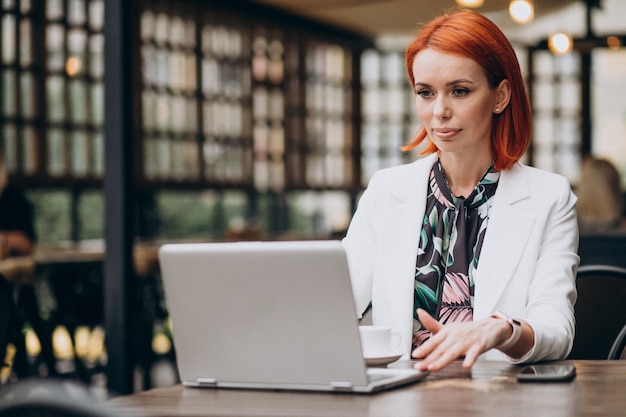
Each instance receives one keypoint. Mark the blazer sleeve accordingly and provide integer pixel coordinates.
(360, 245)
(552, 291)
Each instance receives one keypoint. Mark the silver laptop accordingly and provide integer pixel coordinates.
(268, 315)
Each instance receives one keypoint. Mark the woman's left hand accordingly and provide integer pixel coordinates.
(455, 340)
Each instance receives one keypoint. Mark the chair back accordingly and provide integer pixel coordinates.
(600, 310)
(618, 350)
(9, 319)
(48, 397)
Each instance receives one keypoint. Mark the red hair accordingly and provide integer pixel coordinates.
(472, 35)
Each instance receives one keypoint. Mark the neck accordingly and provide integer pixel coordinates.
(463, 174)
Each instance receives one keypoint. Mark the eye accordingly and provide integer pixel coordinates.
(459, 92)
(424, 93)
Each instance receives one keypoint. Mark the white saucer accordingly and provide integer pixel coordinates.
(383, 360)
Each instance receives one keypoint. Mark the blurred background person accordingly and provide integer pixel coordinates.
(600, 197)
(17, 230)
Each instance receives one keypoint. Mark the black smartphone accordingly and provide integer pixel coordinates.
(547, 372)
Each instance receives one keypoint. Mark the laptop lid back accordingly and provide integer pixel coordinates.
(263, 314)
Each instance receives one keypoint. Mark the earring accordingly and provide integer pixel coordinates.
(497, 110)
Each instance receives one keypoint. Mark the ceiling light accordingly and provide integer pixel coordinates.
(613, 42)
(560, 43)
(470, 3)
(522, 11)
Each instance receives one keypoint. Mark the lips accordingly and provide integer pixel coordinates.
(445, 133)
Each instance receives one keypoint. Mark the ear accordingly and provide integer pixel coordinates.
(503, 96)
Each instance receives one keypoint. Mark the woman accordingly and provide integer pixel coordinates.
(467, 252)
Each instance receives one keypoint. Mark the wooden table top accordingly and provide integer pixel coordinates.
(20, 269)
(488, 389)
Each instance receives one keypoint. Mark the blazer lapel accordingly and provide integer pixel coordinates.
(507, 235)
(401, 237)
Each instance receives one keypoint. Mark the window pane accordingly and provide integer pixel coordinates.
(27, 95)
(96, 14)
(91, 215)
(53, 209)
(8, 93)
(54, 9)
(26, 57)
(9, 147)
(55, 35)
(55, 102)
(8, 39)
(76, 12)
(80, 156)
(56, 152)
(97, 104)
(31, 150)
(77, 101)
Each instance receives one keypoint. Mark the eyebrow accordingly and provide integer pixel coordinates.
(448, 84)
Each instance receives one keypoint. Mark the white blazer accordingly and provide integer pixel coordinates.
(527, 265)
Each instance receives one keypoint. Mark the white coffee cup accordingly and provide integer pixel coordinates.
(379, 341)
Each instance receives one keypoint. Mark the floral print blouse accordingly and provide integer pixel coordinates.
(452, 234)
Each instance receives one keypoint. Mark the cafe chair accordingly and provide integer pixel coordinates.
(600, 310)
(10, 329)
(39, 397)
(618, 350)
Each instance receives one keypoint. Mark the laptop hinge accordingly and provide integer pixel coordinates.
(341, 385)
(207, 382)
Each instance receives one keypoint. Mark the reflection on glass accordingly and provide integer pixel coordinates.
(54, 9)
(96, 56)
(26, 53)
(25, 6)
(55, 105)
(162, 112)
(147, 107)
(146, 26)
(98, 153)
(8, 39)
(27, 95)
(76, 12)
(56, 153)
(543, 63)
(55, 35)
(76, 42)
(149, 157)
(96, 15)
(162, 156)
(31, 150)
(275, 66)
(189, 83)
(191, 115)
(207, 119)
(8, 92)
(177, 32)
(209, 76)
(161, 67)
(260, 103)
(9, 135)
(80, 155)
(259, 58)
(210, 155)
(161, 28)
(178, 106)
(177, 70)
(97, 103)
(77, 101)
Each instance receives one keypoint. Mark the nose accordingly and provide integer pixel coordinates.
(441, 107)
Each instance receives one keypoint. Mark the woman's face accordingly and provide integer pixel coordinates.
(455, 103)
